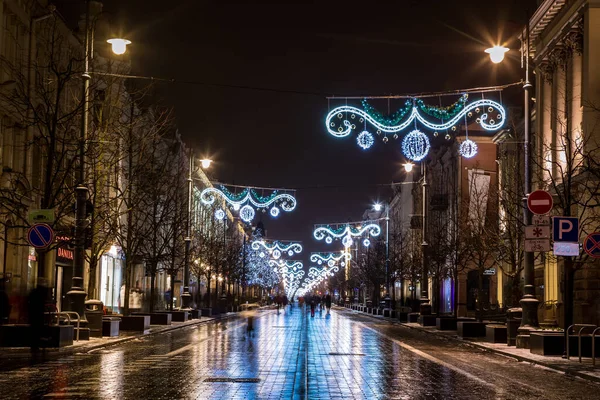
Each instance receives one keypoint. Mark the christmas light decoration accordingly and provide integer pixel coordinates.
(338, 124)
(325, 257)
(365, 140)
(289, 248)
(366, 242)
(415, 145)
(247, 213)
(468, 148)
(348, 230)
(247, 200)
(347, 241)
(219, 214)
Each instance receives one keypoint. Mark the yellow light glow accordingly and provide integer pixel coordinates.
(497, 53)
(408, 167)
(119, 46)
(206, 163)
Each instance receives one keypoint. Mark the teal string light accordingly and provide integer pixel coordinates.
(443, 113)
(393, 119)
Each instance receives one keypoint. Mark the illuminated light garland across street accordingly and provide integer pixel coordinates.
(279, 247)
(331, 258)
(247, 200)
(415, 115)
(346, 231)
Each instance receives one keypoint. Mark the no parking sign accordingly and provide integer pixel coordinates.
(591, 244)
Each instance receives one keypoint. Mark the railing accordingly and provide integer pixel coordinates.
(581, 327)
(68, 315)
(594, 346)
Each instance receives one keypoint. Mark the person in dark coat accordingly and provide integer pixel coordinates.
(4, 303)
(328, 302)
(36, 303)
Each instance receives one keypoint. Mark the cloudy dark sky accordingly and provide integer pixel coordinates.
(300, 52)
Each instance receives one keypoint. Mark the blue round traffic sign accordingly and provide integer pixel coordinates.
(40, 236)
(591, 244)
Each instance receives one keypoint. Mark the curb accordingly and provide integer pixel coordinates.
(118, 341)
(520, 358)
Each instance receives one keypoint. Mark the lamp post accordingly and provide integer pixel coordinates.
(529, 303)
(77, 294)
(377, 207)
(425, 308)
(186, 296)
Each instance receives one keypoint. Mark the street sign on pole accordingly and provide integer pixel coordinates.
(591, 244)
(537, 245)
(566, 249)
(539, 202)
(537, 232)
(540, 220)
(40, 236)
(41, 216)
(565, 229)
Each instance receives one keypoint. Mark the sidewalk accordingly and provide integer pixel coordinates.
(572, 367)
(84, 346)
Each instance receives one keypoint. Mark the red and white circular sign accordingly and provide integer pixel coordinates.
(539, 202)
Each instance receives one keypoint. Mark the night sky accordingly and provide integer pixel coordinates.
(300, 52)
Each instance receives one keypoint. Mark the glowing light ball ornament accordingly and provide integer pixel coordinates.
(366, 242)
(347, 241)
(274, 211)
(219, 214)
(468, 148)
(365, 140)
(276, 254)
(247, 213)
(415, 145)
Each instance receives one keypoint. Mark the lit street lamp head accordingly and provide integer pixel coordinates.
(206, 163)
(119, 46)
(408, 167)
(497, 53)
(377, 207)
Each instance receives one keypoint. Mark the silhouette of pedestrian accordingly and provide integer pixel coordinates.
(4, 303)
(328, 303)
(36, 306)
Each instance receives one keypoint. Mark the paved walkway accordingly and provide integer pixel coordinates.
(291, 355)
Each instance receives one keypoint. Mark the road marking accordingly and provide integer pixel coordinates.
(434, 359)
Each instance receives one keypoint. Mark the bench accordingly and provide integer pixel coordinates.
(547, 343)
(157, 318)
(138, 323)
(470, 329)
(427, 320)
(21, 335)
(495, 333)
(110, 326)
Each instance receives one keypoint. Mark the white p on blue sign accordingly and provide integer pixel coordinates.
(565, 229)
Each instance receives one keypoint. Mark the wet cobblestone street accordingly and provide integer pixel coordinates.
(291, 355)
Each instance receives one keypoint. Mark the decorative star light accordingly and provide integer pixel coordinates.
(247, 200)
(347, 232)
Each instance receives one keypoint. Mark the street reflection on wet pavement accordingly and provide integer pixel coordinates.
(343, 355)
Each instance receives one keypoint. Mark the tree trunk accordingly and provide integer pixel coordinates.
(152, 279)
(172, 300)
(128, 269)
(92, 282)
(208, 291)
(455, 294)
(479, 295)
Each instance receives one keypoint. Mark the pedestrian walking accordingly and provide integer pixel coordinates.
(313, 304)
(4, 303)
(278, 302)
(36, 303)
(328, 302)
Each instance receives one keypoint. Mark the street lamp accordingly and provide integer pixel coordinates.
(205, 162)
(186, 296)
(408, 167)
(377, 207)
(119, 46)
(77, 294)
(497, 53)
(529, 303)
